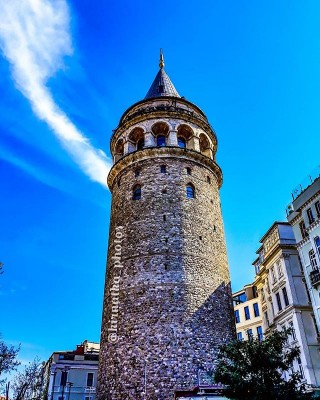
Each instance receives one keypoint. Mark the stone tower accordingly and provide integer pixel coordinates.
(167, 302)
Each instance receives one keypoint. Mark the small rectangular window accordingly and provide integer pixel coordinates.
(317, 207)
(239, 336)
(266, 317)
(256, 310)
(279, 268)
(259, 333)
(279, 301)
(310, 215)
(250, 334)
(303, 230)
(285, 296)
(90, 379)
(300, 368)
(317, 243)
(237, 316)
(63, 378)
(247, 312)
(188, 171)
(293, 332)
(163, 169)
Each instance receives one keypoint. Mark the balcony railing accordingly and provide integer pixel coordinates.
(315, 277)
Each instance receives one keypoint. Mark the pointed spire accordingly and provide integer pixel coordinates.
(161, 63)
(162, 85)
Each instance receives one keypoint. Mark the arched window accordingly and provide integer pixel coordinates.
(140, 144)
(190, 191)
(161, 140)
(136, 193)
(182, 142)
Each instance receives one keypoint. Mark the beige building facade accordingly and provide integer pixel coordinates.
(247, 313)
(284, 297)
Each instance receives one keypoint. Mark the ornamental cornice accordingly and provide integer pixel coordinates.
(314, 225)
(310, 201)
(163, 152)
(296, 218)
(303, 242)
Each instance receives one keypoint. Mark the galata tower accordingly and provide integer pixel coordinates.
(167, 302)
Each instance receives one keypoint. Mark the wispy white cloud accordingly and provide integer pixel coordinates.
(34, 38)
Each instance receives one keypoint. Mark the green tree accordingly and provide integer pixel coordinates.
(8, 361)
(8, 354)
(28, 384)
(254, 370)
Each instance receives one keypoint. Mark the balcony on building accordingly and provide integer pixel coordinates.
(315, 277)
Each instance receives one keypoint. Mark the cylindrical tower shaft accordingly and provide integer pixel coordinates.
(167, 305)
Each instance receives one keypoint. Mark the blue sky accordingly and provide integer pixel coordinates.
(66, 78)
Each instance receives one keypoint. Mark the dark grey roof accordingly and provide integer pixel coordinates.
(162, 86)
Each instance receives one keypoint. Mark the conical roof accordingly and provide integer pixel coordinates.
(162, 85)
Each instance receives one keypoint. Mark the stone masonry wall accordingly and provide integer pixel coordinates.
(167, 305)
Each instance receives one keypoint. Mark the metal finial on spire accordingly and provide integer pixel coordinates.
(161, 63)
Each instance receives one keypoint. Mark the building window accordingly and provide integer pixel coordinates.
(315, 324)
(163, 169)
(285, 296)
(136, 194)
(240, 298)
(246, 312)
(303, 230)
(313, 260)
(63, 378)
(254, 292)
(317, 243)
(188, 171)
(137, 172)
(190, 191)
(259, 333)
(250, 334)
(266, 317)
(293, 332)
(267, 285)
(140, 144)
(237, 316)
(90, 379)
(208, 179)
(279, 301)
(317, 207)
(239, 336)
(182, 142)
(161, 140)
(279, 268)
(300, 368)
(256, 310)
(310, 215)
